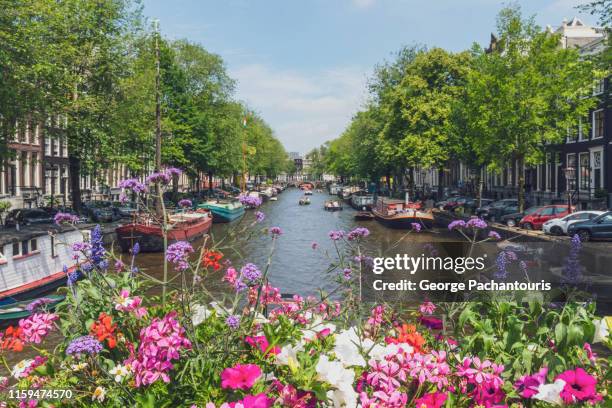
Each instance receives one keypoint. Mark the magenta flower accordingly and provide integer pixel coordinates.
(427, 308)
(260, 400)
(527, 385)
(579, 386)
(241, 376)
(178, 254)
(314, 245)
(37, 326)
(431, 400)
(275, 231)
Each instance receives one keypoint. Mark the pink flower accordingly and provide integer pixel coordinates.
(125, 303)
(37, 326)
(254, 401)
(262, 343)
(241, 376)
(579, 386)
(231, 275)
(591, 356)
(431, 400)
(427, 308)
(527, 385)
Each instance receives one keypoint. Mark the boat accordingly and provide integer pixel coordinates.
(224, 210)
(19, 310)
(401, 214)
(346, 192)
(307, 192)
(304, 201)
(32, 259)
(266, 193)
(183, 226)
(333, 189)
(362, 201)
(364, 216)
(274, 198)
(333, 205)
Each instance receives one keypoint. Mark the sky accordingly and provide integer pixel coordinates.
(303, 65)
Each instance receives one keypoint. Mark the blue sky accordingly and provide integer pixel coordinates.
(303, 64)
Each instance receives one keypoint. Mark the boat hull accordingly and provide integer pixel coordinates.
(404, 221)
(222, 214)
(150, 238)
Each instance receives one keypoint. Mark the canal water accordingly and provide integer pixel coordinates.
(295, 267)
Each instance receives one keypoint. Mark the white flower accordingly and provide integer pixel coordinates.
(99, 394)
(120, 372)
(344, 397)
(347, 348)
(21, 367)
(78, 367)
(601, 330)
(200, 313)
(551, 392)
(288, 355)
(334, 373)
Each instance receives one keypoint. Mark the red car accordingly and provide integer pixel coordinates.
(536, 219)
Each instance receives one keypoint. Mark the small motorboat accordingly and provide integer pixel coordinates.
(274, 198)
(19, 310)
(304, 201)
(333, 205)
(307, 192)
(364, 216)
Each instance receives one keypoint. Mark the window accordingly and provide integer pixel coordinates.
(597, 169)
(571, 162)
(598, 124)
(606, 219)
(33, 245)
(585, 171)
(581, 133)
(572, 135)
(599, 87)
(2, 257)
(16, 249)
(547, 211)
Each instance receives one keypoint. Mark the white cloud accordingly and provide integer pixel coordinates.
(304, 109)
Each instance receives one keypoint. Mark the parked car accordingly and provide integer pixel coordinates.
(471, 204)
(558, 226)
(514, 219)
(498, 209)
(27, 216)
(536, 220)
(454, 202)
(598, 227)
(101, 211)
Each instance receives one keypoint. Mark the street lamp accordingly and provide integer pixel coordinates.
(569, 175)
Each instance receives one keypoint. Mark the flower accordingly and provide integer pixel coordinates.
(12, 339)
(84, 345)
(347, 345)
(262, 344)
(99, 394)
(125, 303)
(135, 249)
(407, 334)
(336, 235)
(260, 216)
(38, 304)
(20, 368)
(233, 321)
(211, 259)
(133, 185)
(359, 232)
(120, 372)
(178, 253)
(276, 231)
(347, 273)
(98, 252)
(527, 386)
(185, 203)
(65, 218)
(456, 225)
(241, 376)
(601, 331)
(579, 386)
(288, 355)
(432, 323)
(431, 400)
(251, 273)
(476, 222)
(314, 245)
(260, 400)
(334, 373)
(250, 201)
(494, 235)
(158, 177)
(104, 329)
(427, 308)
(551, 393)
(416, 227)
(37, 326)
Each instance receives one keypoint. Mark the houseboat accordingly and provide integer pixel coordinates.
(224, 210)
(362, 201)
(401, 214)
(32, 260)
(184, 226)
(333, 189)
(346, 192)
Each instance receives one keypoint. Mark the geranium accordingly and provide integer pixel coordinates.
(407, 333)
(579, 386)
(431, 400)
(427, 308)
(104, 329)
(211, 259)
(125, 303)
(178, 254)
(12, 339)
(37, 326)
(241, 376)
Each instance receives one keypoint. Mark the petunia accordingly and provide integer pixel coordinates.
(241, 376)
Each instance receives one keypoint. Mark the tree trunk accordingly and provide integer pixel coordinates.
(440, 183)
(210, 178)
(521, 182)
(175, 180)
(480, 180)
(74, 164)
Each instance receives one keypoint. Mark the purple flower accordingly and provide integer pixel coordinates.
(359, 232)
(476, 222)
(314, 245)
(239, 285)
(504, 259)
(84, 345)
(185, 203)
(276, 231)
(178, 254)
(119, 265)
(432, 323)
(97, 247)
(123, 198)
(494, 235)
(38, 304)
(135, 249)
(133, 185)
(259, 216)
(72, 277)
(162, 178)
(250, 201)
(173, 171)
(456, 225)
(65, 218)
(336, 235)
(81, 247)
(347, 272)
(416, 227)
(233, 321)
(251, 272)
(527, 385)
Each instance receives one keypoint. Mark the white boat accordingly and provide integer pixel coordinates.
(32, 260)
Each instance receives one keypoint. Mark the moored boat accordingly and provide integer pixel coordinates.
(20, 310)
(186, 226)
(333, 189)
(224, 210)
(307, 192)
(362, 201)
(399, 214)
(32, 260)
(333, 205)
(364, 216)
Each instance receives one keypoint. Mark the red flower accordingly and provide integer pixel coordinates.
(104, 329)
(407, 334)
(211, 260)
(12, 339)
